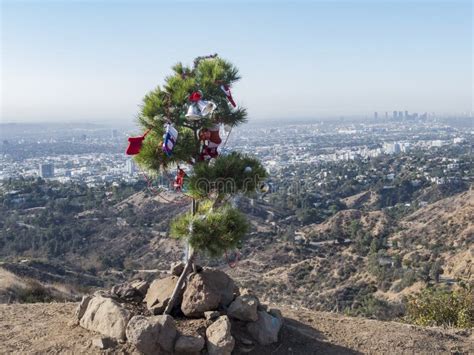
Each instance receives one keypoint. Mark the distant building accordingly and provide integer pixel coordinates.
(130, 167)
(46, 171)
(395, 115)
(376, 115)
(396, 148)
(114, 133)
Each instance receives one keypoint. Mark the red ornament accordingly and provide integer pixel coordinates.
(208, 153)
(179, 180)
(195, 96)
(135, 144)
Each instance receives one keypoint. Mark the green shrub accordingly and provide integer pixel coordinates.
(442, 307)
(34, 293)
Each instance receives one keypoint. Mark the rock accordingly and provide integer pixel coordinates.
(126, 292)
(105, 316)
(244, 308)
(219, 339)
(177, 268)
(141, 286)
(168, 332)
(276, 313)
(80, 310)
(104, 343)
(159, 294)
(150, 335)
(189, 344)
(206, 291)
(211, 315)
(265, 330)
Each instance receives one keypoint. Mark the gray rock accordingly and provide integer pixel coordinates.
(189, 344)
(168, 332)
(211, 315)
(126, 292)
(276, 313)
(141, 286)
(206, 291)
(177, 268)
(265, 330)
(219, 339)
(105, 316)
(150, 335)
(159, 294)
(104, 343)
(244, 308)
(81, 309)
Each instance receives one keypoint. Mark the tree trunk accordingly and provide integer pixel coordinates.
(182, 278)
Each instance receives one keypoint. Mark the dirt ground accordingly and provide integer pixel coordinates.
(45, 329)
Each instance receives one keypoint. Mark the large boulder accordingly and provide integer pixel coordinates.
(207, 291)
(187, 344)
(81, 309)
(141, 286)
(126, 292)
(265, 330)
(150, 335)
(159, 294)
(219, 339)
(105, 316)
(244, 308)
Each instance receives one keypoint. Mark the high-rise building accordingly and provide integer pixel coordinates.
(406, 114)
(46, 171)
(386, 115)
(114, 133)
(130, 167)
(376, 115)
(400, 114)
(395, 115)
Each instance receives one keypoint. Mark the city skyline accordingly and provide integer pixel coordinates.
(93, 61)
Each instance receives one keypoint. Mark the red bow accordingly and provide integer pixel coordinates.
(195, 96)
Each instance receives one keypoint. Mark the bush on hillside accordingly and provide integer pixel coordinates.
(442, 307)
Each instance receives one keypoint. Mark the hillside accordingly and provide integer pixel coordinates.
(358, 260)
(44, 328)
(380, 262)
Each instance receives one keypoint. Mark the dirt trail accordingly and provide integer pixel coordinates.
(43, 328)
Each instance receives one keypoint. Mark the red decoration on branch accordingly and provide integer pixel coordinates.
(195, 96)
(212, 140)
(135, 144)
(179, 181)
(228, 94)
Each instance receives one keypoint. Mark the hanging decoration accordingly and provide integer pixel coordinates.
(179, 180)
(135, 144)
(211, 140)
(228, 94)
(206, 107)
(195, 96)
(169, 139)
(193, 114)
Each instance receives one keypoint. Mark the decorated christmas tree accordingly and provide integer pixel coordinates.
(182, 122)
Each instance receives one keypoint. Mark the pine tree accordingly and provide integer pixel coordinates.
(213, 226)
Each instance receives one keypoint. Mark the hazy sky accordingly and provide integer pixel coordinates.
(94, 60)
